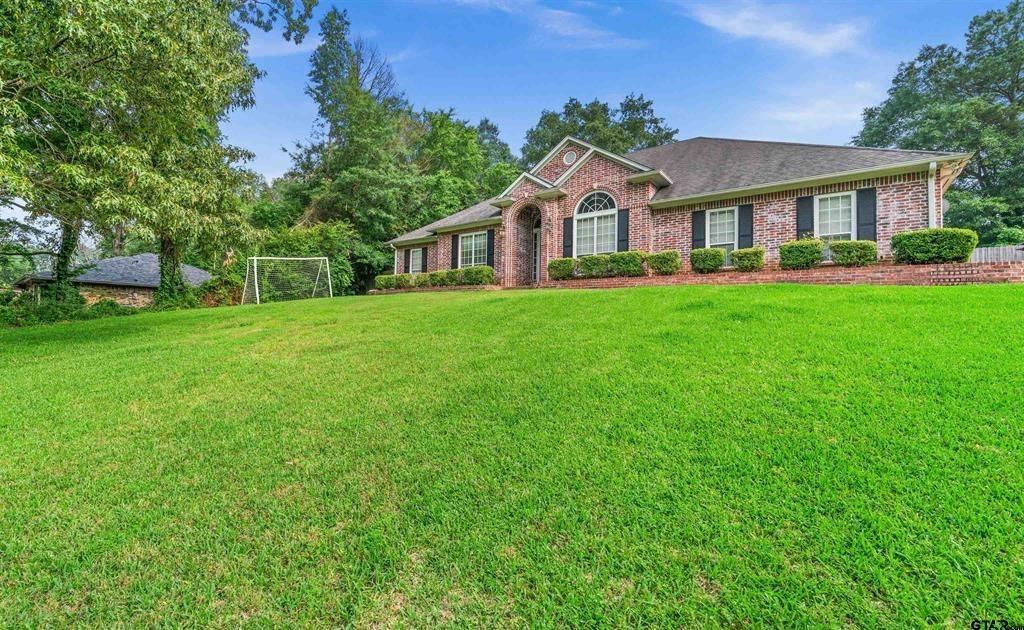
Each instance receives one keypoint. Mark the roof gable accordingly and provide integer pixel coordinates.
(588, 150)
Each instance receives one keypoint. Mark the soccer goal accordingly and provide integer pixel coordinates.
(270, 279)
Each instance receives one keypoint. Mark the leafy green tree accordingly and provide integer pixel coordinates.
(971, 100)
(98, 99)
(495, 150)
(632, 126)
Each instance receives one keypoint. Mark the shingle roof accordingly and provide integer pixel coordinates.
(142, 270)
(708, 165)
(479, 212)
(705, 165)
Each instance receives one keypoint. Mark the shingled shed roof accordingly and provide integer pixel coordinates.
(142, 270)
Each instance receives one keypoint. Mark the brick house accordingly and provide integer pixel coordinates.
(702, 192)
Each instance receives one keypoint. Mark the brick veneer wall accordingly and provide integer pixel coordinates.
(882, 274)
(598, 173)
(431, 257)
(902, 204)
(444, 248)
(554, 167)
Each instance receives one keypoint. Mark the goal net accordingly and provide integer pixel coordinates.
(270, 279)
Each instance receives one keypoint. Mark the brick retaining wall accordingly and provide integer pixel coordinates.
(882, 274)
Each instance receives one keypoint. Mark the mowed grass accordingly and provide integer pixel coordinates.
(676, 456)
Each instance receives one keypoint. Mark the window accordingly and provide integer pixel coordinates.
(833, 219)
(473, 249)
(722, 231)
(416, 262)
(596, 224)
(569, 158)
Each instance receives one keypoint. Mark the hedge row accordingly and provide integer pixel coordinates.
(469, 276)
(934, 245)
(616, 265)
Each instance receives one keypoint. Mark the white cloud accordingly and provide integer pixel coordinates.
(749, 19)
(403, 55)
(822, 106)
(557, 27)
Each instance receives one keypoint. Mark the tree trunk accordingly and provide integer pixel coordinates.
(62, 272)
(171, 283)
(117, 244)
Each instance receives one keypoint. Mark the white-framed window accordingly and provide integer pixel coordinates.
(596, 224)
(473, 249)
(723, 231)
(835, 218)
(416, 262)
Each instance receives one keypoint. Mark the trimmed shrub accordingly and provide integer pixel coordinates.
(439, 278)
(455, 277)
(707, 259)
(748, 259)
(853, 253)
(422, 280)
(802, 254)
(627, 263)
(478, 275)
(596, 266)
(934, 245)
(403, 281)
(561, 268)
(385, 281)
(665, 263)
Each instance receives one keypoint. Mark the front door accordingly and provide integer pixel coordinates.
(536, 254)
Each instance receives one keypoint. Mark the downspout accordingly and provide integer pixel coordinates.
(394, 265)
(932, 218)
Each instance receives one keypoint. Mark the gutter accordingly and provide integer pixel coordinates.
(932, 218)
(828, 178)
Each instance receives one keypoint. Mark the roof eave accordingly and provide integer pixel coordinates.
(551, 193)
(828, 178)
(468, 225)
(658, 178)
(397, 242)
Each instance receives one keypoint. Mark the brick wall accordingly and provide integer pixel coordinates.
(431, 257)
(554, 167)
(598, 173)
(881, 274)
(443, 255)
(902, 204)
(126, 296)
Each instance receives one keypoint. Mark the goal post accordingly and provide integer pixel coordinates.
(275, 279)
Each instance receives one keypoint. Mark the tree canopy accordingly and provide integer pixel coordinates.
(966, 100)
(630, 127)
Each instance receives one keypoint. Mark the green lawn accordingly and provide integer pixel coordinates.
(675, 455)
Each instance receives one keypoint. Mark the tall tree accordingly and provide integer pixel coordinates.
(92, 92)
(631, 126)
(971, 100)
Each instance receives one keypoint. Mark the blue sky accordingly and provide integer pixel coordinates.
(745, 69)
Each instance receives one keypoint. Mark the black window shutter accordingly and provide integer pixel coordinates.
(408, 254)
(746, 226)
(804, 217)
(455, 251)
(699, 238)
(423, 259)
(867, 214)
(567, 237)
(623, 230)
(490, 248)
